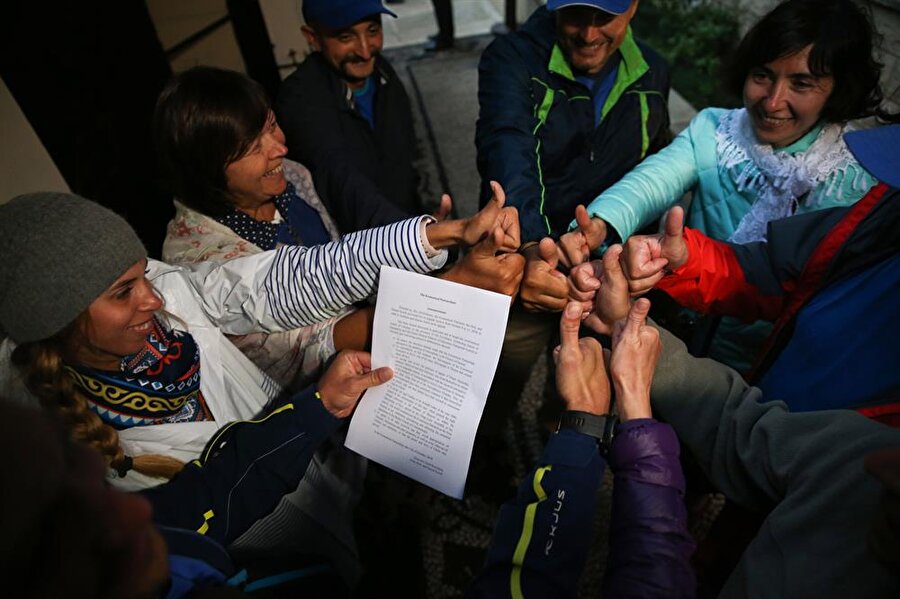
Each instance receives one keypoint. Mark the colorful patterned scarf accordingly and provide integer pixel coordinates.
(159, 384)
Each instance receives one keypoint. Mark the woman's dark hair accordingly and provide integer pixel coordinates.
(841, 37)
(205, 119)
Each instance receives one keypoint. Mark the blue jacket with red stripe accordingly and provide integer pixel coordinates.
(830, 281)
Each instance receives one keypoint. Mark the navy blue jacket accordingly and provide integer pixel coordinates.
(536, 132)
(244, 471)
(543, 536)
(327, 133)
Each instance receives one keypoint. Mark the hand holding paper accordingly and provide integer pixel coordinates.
(442, 341)
(349, 375)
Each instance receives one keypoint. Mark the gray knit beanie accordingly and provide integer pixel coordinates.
(58, 253)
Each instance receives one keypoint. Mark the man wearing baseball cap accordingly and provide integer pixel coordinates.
(569, 103)
(345, 107)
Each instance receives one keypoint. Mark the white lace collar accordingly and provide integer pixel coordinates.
(777, 179)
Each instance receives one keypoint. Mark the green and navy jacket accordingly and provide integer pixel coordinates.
(536, 132)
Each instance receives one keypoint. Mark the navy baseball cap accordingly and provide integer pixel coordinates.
(338, 14)
(876, 150)
(615, 7)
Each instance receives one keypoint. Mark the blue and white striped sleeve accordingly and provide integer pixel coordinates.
(294, 286)
(307, 285)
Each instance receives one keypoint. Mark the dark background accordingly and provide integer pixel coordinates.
(87, 74)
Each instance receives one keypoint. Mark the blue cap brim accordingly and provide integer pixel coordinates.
(877, 150)
(339, 19)
(615, 7)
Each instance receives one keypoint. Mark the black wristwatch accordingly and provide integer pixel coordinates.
(600, 427)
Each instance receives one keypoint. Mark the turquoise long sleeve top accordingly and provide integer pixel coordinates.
(690, 163)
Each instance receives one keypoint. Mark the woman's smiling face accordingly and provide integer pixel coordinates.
(784, 99)
(257, 176)
(117, 322)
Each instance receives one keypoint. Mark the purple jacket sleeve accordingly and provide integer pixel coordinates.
(649, 544)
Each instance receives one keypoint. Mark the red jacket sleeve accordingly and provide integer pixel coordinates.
(712, 281)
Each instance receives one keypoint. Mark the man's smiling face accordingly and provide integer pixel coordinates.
(589, 36)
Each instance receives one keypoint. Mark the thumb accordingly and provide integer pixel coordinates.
(443, 210)
(637, 318)
(498, 194)
(675, 223)
(612, 267)
(569, 324)
(594, 230)
(376, 377)
(582, 217)
(547, 252)
(674, 246)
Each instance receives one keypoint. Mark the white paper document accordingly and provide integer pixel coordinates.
(443, 342)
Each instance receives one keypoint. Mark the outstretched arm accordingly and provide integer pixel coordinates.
(542, 537)
(296, 286)
(505, 138)
(715, 283)
(247, 467)
(698, 272)
(649, 543)
(749, 281)
(805, 467)
(652, 187)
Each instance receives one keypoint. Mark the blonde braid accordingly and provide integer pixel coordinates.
(42, 365)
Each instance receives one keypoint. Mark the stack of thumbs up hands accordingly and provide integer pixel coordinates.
(604, 287)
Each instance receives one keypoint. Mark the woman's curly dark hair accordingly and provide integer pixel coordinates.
(205, 119)
(842, 40)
